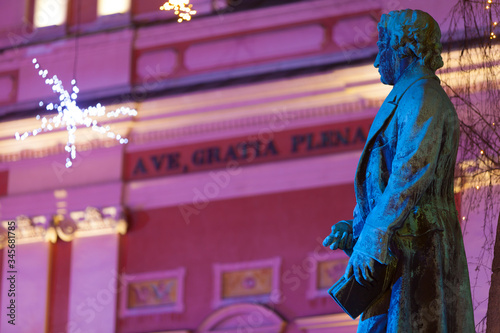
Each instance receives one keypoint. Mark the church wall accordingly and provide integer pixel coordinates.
(249, 128)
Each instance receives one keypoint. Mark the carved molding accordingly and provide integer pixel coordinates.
(296, 116)
(91, 222)
(55, 150)
(27, 230)
(231, 124)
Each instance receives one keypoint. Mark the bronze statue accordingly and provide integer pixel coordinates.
(405, 212)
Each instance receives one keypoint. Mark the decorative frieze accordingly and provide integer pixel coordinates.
(27, 230)
(91, 222)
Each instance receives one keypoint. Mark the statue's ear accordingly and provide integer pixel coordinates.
(406, 51)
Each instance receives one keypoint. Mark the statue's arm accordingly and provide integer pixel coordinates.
(420, 134)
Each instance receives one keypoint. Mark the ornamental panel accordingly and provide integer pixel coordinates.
(252, 281)
(326, 270)
(152, 293)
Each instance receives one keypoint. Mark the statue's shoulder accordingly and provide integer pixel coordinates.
(427, 89)
(426, 95)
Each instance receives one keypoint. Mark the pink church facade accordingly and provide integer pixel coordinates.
(249, 128)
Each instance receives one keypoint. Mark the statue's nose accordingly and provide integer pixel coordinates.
(377, 61)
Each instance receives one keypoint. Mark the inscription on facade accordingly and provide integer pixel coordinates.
(287, 144)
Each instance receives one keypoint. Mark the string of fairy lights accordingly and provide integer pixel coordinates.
(182, 8)
(493, 24)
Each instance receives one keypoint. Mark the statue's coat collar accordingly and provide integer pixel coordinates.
(412, 74)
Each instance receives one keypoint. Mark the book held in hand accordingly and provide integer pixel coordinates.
(355, 298)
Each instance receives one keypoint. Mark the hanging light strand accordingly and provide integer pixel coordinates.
(493, 24)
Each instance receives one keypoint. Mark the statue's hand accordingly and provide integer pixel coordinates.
(340, 238)
(362, 266)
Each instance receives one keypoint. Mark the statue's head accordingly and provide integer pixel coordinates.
(406, 36)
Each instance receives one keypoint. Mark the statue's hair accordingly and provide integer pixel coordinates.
(414, 32)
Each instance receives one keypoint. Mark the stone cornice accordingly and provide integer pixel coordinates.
(293, 118)
(222, 112)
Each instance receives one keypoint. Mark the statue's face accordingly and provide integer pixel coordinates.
(386, 60)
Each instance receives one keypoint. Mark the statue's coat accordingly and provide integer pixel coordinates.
(406, 209)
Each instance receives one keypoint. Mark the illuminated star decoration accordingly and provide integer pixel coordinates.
(70, 115)
(181, 8)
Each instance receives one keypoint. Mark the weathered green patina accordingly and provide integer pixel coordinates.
(404, 191)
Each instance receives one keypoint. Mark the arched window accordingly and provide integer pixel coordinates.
(243, 318)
